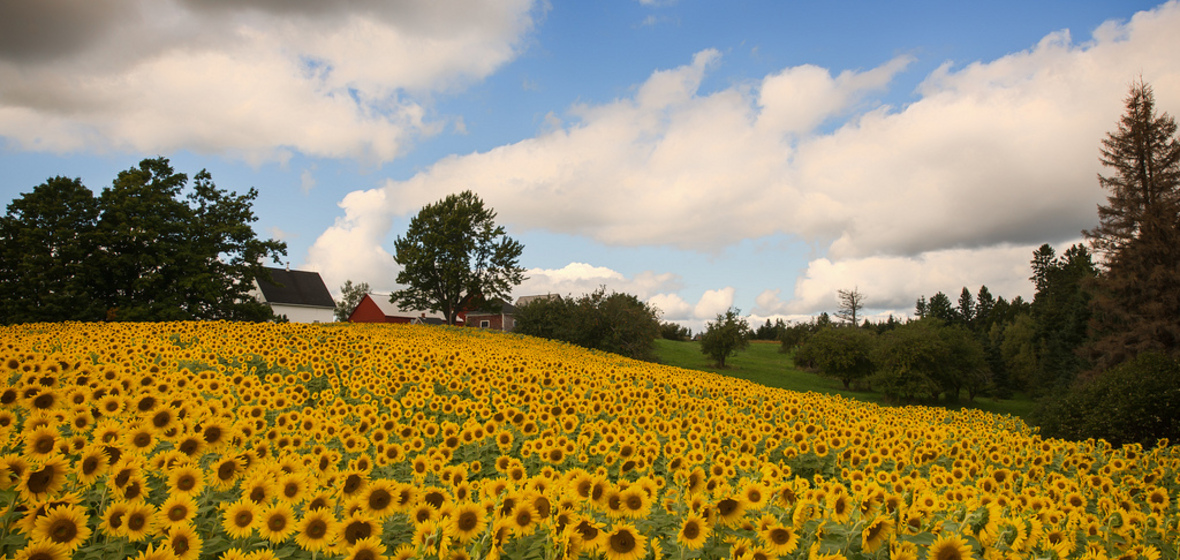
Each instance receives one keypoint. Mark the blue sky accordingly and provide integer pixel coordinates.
(697, 154)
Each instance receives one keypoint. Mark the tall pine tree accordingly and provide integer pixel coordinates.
(1137, 297)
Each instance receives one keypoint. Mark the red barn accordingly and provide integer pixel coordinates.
(376, 308)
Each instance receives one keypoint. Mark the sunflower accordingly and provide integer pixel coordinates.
(316, 531)
(379, 498)
(226, 470)
(624, 543)
(755, 495)
(186, 480)
(94, 463)
(467, 521)
(114, 519)
(292, 487)
(524, 518)
(138, 523)
(357, 527)
(730, 511)
(240, 518)
(178, 509)
(693, 532)
(950, 547)
(634, 502)
(43, 550)
(276, 522)
(184, 542)
(45, 479)
(41, 442)
(367, 549)
(588, 535)
(64, 525)
(779, 539)
(876, 533)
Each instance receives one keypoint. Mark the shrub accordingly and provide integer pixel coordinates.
(1135, 402)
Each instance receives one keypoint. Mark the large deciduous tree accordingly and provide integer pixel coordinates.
(455, 258)
(46, 241)
(1137, 303)
(151, 247)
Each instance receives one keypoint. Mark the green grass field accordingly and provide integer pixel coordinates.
(763, 364)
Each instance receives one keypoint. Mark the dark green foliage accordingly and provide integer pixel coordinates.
(725, 336)
(46, 239)
(617, 323)
(922, 359)
(941, 308)
(455, 258)
(152, 247)
(1060, 312)
(908, 361)
(673, 331)
(350, 297)
(844, 353)
(1135, 402)
(770, 331)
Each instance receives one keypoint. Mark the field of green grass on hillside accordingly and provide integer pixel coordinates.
(762, 363)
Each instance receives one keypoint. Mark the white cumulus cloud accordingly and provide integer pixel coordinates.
(257, 78)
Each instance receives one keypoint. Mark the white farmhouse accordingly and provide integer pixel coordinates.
(299, 295)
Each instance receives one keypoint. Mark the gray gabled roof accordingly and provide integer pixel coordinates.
(295, 287)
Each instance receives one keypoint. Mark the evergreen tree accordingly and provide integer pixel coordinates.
(1137, 303)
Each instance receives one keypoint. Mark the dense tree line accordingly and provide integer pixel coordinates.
(152, 246)
(615, 322)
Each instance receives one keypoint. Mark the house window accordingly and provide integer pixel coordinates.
(484, 323)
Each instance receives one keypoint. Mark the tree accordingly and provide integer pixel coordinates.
(909, 360)
(851, 302)
(46, 239)
(940, 307)
(726, 336)
(455, 258)
(1137, 303)
(350, 297)
(618, 323)
(151, 247)
(967, 308)
(845, 354)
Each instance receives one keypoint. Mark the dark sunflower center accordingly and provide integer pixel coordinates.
(622, 542)
(356, 531)
(692, 530)
(44, 444)
(317, 529)
(243, 519)
(634, 503)
(276, 522)
(727, 506)
(136, 521)
(39, 481)
(380, 499)
(63, 531)
(186, 482)
(467, 521)
(780, 536)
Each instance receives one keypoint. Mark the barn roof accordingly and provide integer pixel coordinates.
(295, 287)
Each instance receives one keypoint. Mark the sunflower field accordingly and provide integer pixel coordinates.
(261, 441)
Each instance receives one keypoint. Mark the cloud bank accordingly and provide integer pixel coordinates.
(989, 161)
(258, 79)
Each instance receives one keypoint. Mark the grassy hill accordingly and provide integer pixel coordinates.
(763, 364)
